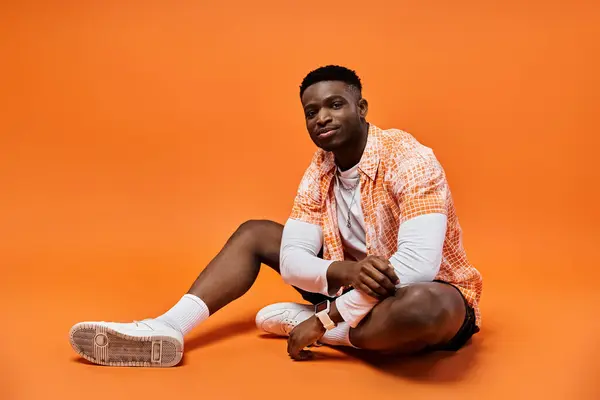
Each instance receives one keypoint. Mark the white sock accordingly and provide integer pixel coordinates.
(188, 313)
(338, 336)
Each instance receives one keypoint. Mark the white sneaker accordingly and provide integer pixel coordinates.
(281, 318)
(147, 343)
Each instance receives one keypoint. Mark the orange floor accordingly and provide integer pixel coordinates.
(540, 345)
(114, 116)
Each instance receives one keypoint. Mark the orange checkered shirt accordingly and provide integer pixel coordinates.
(399, 179)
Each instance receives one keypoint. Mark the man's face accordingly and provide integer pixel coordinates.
(333, 112)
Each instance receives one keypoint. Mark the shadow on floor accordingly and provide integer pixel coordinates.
(440, 366)
(433, 367)
(81, 360)
(219, 333)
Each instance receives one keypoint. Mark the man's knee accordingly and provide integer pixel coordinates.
(250, 227)
(262, 237)
(256, 229)
(419, 307)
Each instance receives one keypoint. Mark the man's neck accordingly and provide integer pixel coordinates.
(348, 157)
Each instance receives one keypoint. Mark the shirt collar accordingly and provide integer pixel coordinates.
(369, 162)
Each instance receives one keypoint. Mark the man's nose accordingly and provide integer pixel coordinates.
(323, 118)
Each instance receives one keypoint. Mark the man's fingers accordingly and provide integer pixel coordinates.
(295, 351)
(366, 290)
(381, 279)
(289, 344)
(385, 267)
(373, 285)
(304, 355)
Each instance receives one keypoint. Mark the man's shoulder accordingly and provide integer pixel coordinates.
(398, 145)
(405, 160)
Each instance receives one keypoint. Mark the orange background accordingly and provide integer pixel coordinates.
(135, 138)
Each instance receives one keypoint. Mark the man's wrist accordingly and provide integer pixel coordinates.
(334, 314)
(319, 324)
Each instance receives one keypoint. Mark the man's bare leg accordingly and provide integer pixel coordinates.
(235, 268)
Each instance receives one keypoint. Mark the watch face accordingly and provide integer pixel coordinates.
(321, 307)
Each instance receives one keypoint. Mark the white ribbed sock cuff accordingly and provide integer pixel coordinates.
(188, 313)
(338, 336)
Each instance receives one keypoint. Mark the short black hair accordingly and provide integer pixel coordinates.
(331, 73)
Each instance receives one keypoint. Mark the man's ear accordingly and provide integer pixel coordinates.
(363, 108)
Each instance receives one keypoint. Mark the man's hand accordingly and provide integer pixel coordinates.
(303, 335)
(374, 276)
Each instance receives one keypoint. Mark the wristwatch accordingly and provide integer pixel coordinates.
(322, 312)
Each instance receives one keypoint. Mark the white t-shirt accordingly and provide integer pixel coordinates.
(347, 197)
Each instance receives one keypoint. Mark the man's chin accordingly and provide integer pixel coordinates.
(329, 145)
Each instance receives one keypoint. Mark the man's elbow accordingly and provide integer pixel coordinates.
(429, 274)
(284, 269)
(289, 266)
(430, 267)
(425, 273)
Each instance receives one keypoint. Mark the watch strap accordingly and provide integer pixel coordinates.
(324, 317)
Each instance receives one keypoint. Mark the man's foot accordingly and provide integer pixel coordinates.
(147, 343)
(281, 318)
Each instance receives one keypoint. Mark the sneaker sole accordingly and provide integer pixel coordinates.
(104, 346)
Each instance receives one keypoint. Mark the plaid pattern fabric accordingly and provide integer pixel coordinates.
(399, 179)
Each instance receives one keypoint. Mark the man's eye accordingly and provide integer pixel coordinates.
(310, 113)
(337, 104)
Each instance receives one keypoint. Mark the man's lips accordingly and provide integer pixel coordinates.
(326, 132)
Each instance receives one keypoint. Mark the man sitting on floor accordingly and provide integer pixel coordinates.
(373, 242)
